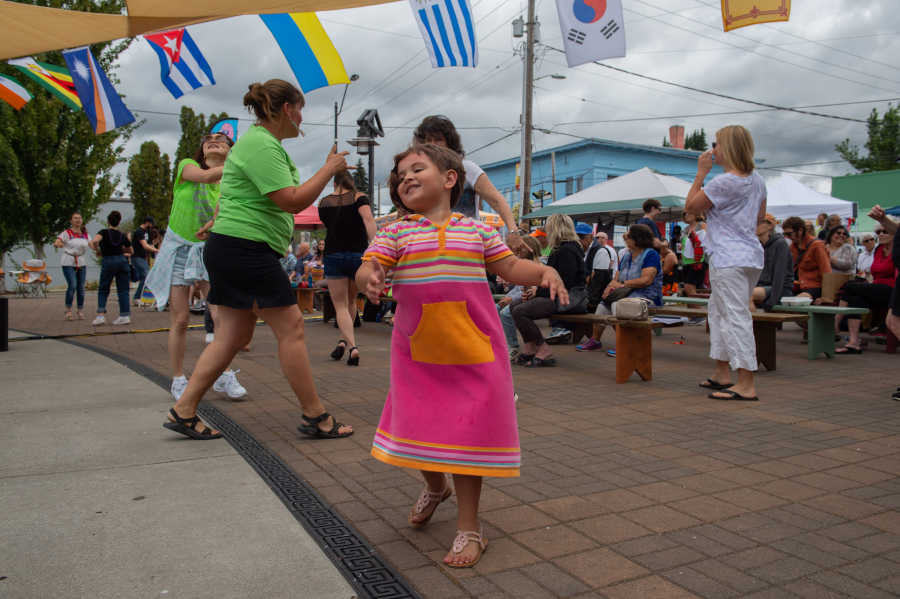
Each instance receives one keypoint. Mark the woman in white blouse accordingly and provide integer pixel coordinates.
(74, 244)
(735, 204)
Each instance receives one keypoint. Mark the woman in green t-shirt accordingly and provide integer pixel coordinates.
(261, 192)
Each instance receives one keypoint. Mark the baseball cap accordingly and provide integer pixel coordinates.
(583, 229)
(770, 218)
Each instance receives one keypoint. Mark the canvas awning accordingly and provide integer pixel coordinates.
(620, 199)
(308, 220)
(28, 29)
(789, 197)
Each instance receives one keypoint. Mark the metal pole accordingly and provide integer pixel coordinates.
(529, 91)
(371, 168)
(553, 176)
(378, 207)
(335, 122)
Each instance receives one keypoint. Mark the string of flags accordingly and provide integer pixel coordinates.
(12, 92)
(182, 66)
(308, 49)
(591, 30)
(448, 28)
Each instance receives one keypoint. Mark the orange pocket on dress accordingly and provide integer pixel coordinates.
(447, 335)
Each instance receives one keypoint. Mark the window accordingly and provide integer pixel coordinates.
(608, 177)
(579, 183)
(569, 186)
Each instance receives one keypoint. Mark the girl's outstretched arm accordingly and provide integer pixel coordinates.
(370, 279)
(528, 274)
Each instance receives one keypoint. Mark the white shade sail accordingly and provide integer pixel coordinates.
(789, 197)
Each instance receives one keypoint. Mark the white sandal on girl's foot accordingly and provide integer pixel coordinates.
(462, 540)
(427, 498)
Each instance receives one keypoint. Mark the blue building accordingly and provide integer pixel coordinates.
(586, 163)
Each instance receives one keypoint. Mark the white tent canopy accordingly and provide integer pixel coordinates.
(620, 199)
(789, 197)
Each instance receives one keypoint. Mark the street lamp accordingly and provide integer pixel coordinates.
(554, 76)
(369, 128)
(336, 111)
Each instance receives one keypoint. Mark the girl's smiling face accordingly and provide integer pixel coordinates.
(422, 184)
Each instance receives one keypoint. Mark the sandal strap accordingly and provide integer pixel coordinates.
(191, 423)
(428, 497)
(315, 421)
(464, 536)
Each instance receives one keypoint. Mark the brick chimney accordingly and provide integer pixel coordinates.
(676, 136)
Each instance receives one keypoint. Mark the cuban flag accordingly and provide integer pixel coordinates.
(448, 28)
(183, 68)
(99, 99)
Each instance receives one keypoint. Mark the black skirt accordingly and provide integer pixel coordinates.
(243, 271)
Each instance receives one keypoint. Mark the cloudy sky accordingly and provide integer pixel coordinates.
(831, 52)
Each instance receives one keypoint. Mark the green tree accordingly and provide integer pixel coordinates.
(883, 143)
(696, 141)
(359, 177)
(53, 163)
(666, 143)
(150, 184)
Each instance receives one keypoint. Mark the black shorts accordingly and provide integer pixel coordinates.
(815, 292)
(693, 276)
(243, 271)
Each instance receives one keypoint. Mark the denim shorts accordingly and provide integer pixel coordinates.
(181, 255)
(342, 265)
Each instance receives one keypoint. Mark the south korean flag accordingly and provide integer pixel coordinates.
(591, 30)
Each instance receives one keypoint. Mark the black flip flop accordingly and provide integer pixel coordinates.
(188, 427)
(522, 358)
(714, 385)
(733, 395)
(314, 431)
(535, 362)
(847, 350)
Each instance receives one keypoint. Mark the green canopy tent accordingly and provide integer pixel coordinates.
(619, 200)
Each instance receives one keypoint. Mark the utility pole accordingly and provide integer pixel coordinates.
(526, 126)
(553, 175)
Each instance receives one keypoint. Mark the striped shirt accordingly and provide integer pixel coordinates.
(421, 252)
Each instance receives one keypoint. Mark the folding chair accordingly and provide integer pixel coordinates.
(33, 279)
(148, 302)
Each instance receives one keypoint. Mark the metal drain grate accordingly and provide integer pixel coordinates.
(366, 571)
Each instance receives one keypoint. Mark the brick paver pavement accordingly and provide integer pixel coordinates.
(642, 490)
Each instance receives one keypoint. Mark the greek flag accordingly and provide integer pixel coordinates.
(449, 31)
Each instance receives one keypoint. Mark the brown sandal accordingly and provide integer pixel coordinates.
(427, 498)
(462, 540)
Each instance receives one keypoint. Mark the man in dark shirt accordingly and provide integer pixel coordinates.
(833, 221)
(139, 257)
(651, 208)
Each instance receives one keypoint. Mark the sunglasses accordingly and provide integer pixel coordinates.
(869, 240)
(879, 231)
(841, 233)
(221, 139)
(714, 145)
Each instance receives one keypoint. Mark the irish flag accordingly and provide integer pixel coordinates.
(56, 80)
(12, 91)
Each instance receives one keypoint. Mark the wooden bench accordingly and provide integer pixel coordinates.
(328, 311)
(764, 326)
(821, 326)
(304, 298)
(634, 350)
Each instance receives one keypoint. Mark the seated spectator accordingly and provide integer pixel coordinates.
(302, 259)
(288, 262)
(833, 221)
(867, 256)
(540, 234)
(531, 250)
(811, 259)
(843, 255)
(641, 270)
(878, 293)
(568, 259)
(810, 228)
(776, 279)
(669, 262)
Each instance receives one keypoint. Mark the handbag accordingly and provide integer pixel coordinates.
(578, 300)
(133, 275)
(617, 294)
(631, 309)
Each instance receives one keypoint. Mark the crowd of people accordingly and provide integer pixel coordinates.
(230, 234)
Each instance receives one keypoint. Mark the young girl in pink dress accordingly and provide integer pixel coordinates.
(450, 409)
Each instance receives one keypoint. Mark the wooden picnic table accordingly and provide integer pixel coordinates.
(821, 326)
(690, 301)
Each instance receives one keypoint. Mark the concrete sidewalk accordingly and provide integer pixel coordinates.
(99, 500)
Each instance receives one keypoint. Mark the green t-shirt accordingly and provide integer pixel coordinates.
(256, 165)
(193, 204)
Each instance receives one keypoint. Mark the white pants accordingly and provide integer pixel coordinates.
(730, 323)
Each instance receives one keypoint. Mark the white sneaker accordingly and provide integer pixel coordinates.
(179, 384)
(210, 337)
(515, 397)
(513, 352)
(228, 383)
(135, 302)
(122, 320)
(101, 319)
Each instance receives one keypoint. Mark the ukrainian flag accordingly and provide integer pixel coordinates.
(308, 50)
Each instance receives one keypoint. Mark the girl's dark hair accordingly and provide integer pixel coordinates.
(439, 126)
(200, 157)
(444, 158)
(834, 230)
(114, 218)
(83, 228)
(345, 181)
(641, 236)
(265, 100)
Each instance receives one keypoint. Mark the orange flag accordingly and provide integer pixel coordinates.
(740, 13)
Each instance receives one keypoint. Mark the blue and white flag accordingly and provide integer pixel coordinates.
(591, 30)
(99, 99)
(182, 67)
(449, 31)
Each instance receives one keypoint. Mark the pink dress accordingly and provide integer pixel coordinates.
(450, 407)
